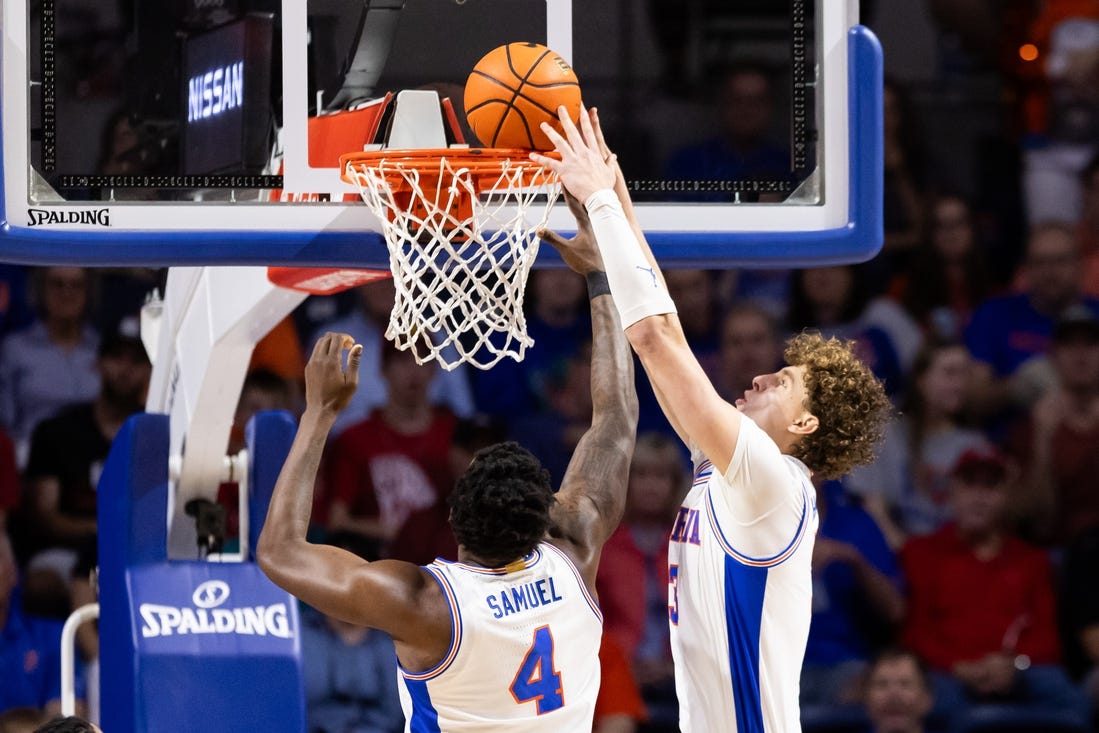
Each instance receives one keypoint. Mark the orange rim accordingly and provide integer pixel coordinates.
(480, 162)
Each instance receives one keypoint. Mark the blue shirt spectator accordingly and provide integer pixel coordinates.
(856, 590)
(38, 377)
(350, 677)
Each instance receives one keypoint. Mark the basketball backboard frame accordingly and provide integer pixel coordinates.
(845, 227)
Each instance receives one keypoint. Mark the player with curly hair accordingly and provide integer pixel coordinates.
(506, 638)
(739, 576)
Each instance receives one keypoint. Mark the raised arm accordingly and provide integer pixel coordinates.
(592, 496)
(397, 597)
(692, 405)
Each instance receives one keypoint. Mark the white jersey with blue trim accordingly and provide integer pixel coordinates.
(740, 590)
(523, 653)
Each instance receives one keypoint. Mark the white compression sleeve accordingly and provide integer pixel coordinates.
(638, 292)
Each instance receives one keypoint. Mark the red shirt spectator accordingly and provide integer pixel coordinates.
(962, 606)
(382, 474)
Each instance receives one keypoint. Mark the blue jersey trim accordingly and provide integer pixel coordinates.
(424, 718)
(455, 631)
(745, 587)
(776, 559)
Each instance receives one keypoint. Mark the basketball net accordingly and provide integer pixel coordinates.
(460, 246)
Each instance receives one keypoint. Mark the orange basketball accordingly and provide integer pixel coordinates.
(515, 88)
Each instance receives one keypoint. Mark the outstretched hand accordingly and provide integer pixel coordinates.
(586, 166)
(328, 387)
(580, 253)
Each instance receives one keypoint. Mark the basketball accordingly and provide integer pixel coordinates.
(514, 89)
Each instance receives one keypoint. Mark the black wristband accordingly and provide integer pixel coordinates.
(598, 284)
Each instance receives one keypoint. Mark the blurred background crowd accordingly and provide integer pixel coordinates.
(956, 579)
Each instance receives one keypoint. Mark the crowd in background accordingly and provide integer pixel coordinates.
(954, 578)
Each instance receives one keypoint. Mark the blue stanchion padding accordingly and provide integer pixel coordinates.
(185, 645)
(268, 436)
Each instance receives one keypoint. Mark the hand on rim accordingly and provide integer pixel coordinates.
(586, 165)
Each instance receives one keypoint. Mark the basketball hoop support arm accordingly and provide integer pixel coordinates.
(201, 337)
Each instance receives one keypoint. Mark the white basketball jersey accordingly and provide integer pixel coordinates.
(740, 593)
(523, 654)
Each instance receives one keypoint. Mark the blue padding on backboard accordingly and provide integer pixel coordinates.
(268, 435)
(186, 645)
(860, 239)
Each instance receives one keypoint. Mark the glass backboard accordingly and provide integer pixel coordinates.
(185, 132)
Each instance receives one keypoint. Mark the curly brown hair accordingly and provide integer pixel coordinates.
(846, 398)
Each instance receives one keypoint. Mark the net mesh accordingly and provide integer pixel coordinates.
(461, 246)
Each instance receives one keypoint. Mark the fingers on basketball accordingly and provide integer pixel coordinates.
(514, 89)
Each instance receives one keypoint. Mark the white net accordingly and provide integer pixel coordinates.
(460, 248)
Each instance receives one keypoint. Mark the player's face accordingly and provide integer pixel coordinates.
(896, 698)
(777, 401)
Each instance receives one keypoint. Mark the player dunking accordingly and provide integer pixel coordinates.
(505, 639)
(740, 549)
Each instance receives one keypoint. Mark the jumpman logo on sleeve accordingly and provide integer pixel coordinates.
(649, 270)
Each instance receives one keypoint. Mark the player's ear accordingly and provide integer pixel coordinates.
(806, 424)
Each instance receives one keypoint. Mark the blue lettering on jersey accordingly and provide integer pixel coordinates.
(686, 526)
(523, 597)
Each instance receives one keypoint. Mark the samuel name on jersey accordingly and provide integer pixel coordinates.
(523, 597)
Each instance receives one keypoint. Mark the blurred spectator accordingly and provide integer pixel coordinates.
(67, 455)
(750, 345)
(10, 487)
(121, 292)
(1080, 612)
(903, 155)
(1009, 334)
(618, 707)
(633, 571)
(262, 390)
(834, 300)
(350, 671)
(280, 353)
(426, 534)
(857, 600)
(948, 276)
(395, 462)
(897, 693)
(694, 294)
(15, 307)
(559, 321)
(552, 434)
(1089, 227)
(30, 647)
(746, 147)
(22, 720)
(50, 363)
(1059, 438)
(1065, 112)
(981, 604)
(366, 324)
(905, 489)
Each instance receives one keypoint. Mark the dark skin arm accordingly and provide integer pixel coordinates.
(399, 598)
(592, 496)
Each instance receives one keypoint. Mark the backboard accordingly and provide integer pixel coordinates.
(181, 134)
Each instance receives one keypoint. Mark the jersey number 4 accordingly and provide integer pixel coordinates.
(537, 679)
